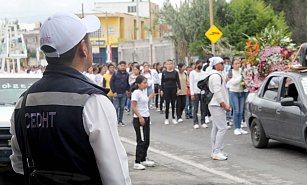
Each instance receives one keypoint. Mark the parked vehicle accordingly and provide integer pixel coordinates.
(279, 110)
(11, 87)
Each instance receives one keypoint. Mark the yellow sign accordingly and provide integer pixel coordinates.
(213, 34)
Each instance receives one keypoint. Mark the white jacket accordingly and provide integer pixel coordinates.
(219, 90)
(235, 81)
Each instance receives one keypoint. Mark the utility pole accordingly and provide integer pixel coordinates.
(138, 29)
(150, 33)
(211, 23)
(82, 10)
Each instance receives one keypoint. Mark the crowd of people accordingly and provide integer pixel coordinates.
(175, 88)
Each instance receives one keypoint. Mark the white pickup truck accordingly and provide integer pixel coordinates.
(11, 87)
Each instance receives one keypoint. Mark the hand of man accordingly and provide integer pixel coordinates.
(161, 93)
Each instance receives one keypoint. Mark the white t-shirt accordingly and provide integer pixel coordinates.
(140, 96)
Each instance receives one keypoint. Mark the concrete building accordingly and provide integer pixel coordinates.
(116, 28)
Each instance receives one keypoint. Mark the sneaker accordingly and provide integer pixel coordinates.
(237, 132)
(121, 124)
(158, 110)
(243, 131)
(175, 121)
(150, 123)
(180, 120)
(196, 126)
(148, 163)
(228, 127)
(138, 166)
(219, 157)
(204, 125)
(207, 120)
(166, 122)
(243, 125)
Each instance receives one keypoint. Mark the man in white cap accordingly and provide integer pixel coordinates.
(66, 123)
(217, 106)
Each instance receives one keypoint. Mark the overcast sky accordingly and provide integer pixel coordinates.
(29, 11)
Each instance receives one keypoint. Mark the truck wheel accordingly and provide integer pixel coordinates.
(258, 136)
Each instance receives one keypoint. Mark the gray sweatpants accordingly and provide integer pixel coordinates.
(219, 128)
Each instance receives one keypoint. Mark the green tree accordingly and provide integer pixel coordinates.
(188, 23)
(295, 14)
(250, 17)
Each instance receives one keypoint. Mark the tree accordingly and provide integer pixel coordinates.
(188, 23)
(295, 14)
(249, 17)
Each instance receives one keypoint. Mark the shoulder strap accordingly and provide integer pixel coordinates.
(28, 163)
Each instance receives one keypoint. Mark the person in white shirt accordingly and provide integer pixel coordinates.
(81, 136)
(217, 106)
(195, 76)
(237, 96)
(147, 74)
(141, 121)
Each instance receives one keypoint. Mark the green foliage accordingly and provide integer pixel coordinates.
(249, 17)
(238, 20)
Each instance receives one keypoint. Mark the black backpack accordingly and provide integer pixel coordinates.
(203, 85)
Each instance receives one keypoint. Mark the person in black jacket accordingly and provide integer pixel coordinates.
(170, 88)
(64, 120)
(120, 87)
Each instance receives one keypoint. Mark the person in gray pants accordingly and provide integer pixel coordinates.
(218, 106)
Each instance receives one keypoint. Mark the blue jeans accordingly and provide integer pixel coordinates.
(149, 91)
(119, 104)
(188, 107)
(237, 101)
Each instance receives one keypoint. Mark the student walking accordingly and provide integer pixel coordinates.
(170, 88)
(141, 122)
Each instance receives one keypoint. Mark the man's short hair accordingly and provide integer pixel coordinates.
(122, 62)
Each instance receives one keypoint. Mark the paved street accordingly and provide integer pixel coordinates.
(182, 155)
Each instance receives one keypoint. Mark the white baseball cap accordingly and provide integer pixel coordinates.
(215, 60)
(62, 31)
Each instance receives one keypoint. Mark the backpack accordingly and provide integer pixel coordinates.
(203, 85)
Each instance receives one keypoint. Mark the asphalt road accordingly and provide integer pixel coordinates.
(182, 156)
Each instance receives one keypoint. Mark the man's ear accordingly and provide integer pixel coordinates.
(83, 51)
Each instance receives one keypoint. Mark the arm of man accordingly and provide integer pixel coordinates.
(191, 83)
(100, 123)
(16, 157)
(112, 81)
(216, 80)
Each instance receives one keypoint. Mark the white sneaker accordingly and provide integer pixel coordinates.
(243, 125)
(148, 163)
(237, 132)
(207, 120)
(219, 156)
(204, 125)
(138, 166)
(243, 131)
(166, 122)
(180, 120)
(196, 126)
(229, 127)
(175, 121)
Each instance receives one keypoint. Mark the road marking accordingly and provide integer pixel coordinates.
(191, 163)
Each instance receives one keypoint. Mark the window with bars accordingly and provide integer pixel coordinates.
(131, 9)
(96, 34)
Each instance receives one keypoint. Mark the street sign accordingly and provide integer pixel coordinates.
(213, 34)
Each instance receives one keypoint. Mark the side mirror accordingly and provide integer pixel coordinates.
(289, 101)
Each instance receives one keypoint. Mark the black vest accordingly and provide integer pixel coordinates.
(55, 128)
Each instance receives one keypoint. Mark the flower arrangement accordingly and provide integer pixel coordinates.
(265, 54)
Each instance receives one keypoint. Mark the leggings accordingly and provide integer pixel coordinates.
(170, 97)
